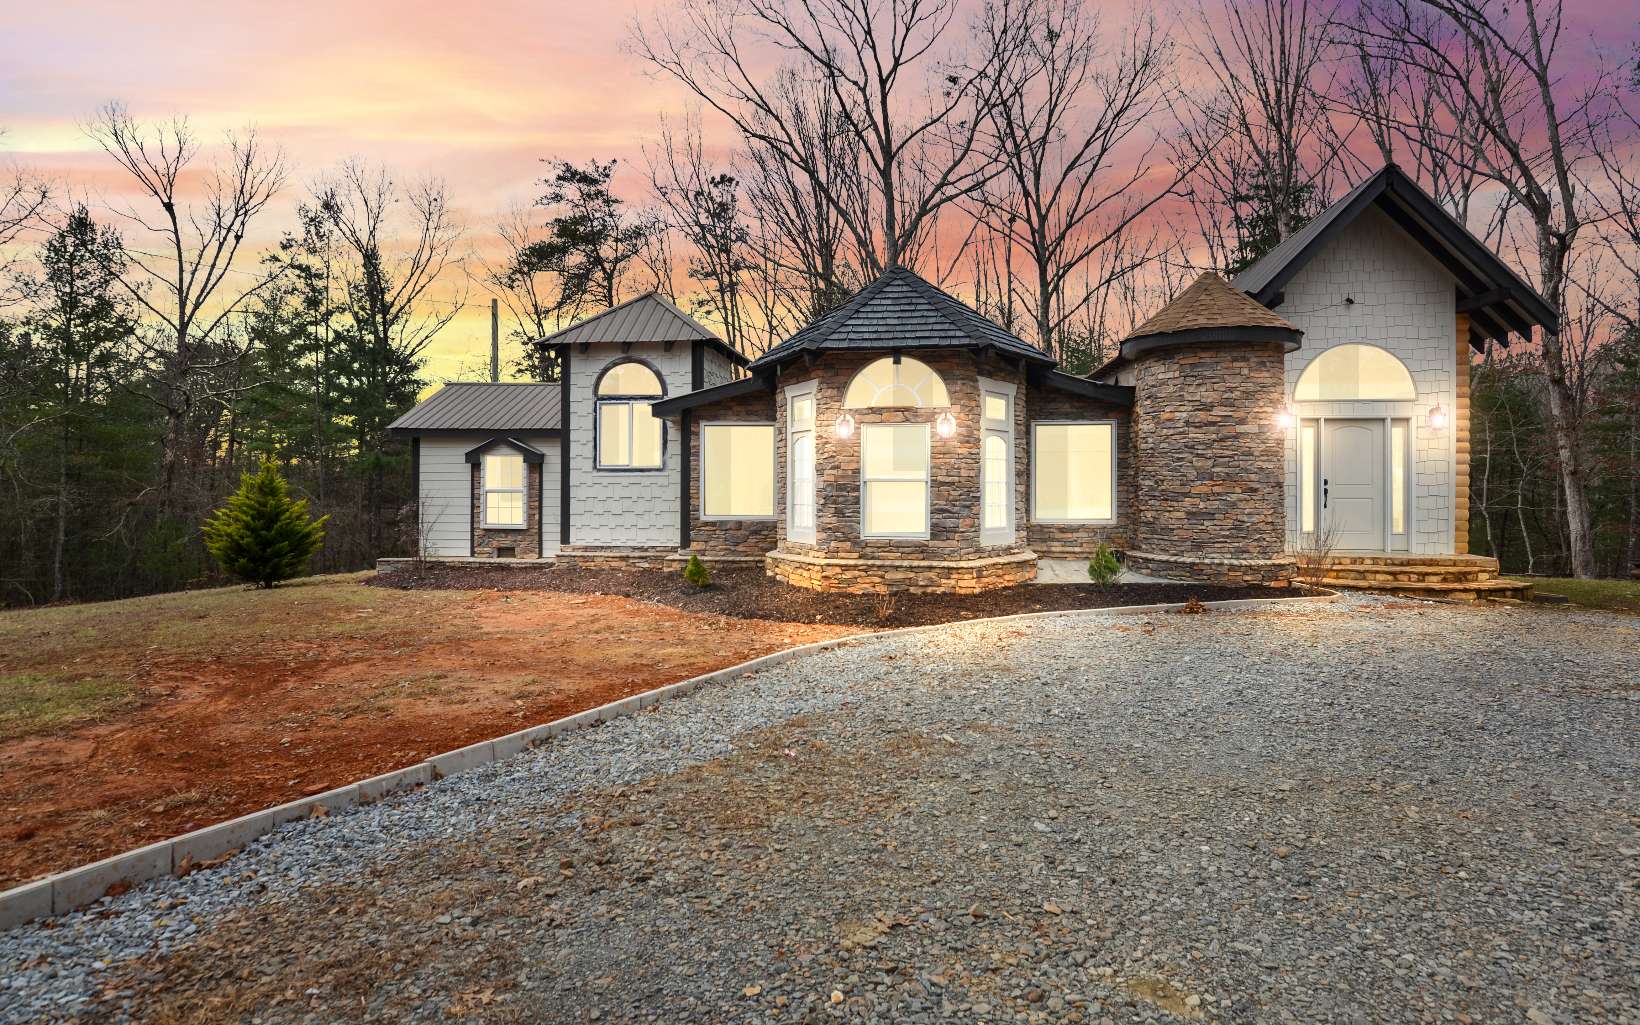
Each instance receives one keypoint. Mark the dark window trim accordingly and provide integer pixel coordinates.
(600, 401)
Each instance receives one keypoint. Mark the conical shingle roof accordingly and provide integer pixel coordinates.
(1210, 302)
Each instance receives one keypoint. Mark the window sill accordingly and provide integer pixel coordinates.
(1074, 523)
(737, 519)
(503, 526)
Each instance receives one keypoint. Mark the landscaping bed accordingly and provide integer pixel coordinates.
(747, 593)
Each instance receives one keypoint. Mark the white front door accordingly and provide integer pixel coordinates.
(1353, 495)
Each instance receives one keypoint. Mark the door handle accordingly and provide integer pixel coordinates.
(1323, 492)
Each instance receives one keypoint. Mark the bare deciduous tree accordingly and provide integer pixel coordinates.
(184, 285)
(912, 110)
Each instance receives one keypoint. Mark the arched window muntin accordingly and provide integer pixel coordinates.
(896, 382)
(627, 436)
(1355, 372)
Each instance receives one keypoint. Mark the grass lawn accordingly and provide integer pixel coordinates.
(31, 702)
(1614, 595)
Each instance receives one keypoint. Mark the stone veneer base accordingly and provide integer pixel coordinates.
(916, 576)
(1209, 570)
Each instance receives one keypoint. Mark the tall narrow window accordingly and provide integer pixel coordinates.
(630, 437)
(503, 485)
(996, 517)
(1074, 472)
(1307, 476)
(1398, 477)
(894, 480)
(800, 463)
(737, 471)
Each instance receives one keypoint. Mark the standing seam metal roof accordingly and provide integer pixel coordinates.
(482, 406)
(650, 317)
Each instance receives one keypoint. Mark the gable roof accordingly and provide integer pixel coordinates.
(1495, 297)
(483, 406)
(1208, 309)
(900, 310)
(650, 317)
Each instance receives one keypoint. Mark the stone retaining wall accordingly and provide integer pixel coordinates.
(873, 576)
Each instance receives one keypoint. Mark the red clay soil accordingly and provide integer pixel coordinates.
(271, 700)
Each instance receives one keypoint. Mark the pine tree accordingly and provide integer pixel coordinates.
(695, 572)
(263, 535)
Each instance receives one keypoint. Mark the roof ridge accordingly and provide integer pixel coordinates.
(938, 301)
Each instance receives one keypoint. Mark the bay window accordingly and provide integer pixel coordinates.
(1073, 472)
(736, 471)
(894, 462)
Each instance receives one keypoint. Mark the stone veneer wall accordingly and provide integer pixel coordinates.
(1461, 452)
(1210, 454)
(954, 482)
(1081, 540)
(526, 539)
(723, 538)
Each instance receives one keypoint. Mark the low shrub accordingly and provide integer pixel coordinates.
(1103, 569)
(695, 572)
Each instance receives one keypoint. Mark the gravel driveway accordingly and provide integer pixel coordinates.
(1368, 811)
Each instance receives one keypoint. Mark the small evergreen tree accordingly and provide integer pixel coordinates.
(695, 572)
(263, 535)
(1103, 569)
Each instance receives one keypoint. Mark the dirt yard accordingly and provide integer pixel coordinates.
(127, 722)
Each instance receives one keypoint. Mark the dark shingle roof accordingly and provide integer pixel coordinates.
(1493, 295)
(1209, 302)
(481, 406)
(900, 310)
(650, 317)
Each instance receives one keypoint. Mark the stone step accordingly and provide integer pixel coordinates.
(1465, 591)
(1409, 573)
(1471, 562)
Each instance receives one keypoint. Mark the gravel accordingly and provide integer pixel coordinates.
(1362, 811)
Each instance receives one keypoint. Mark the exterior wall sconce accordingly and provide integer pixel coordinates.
(945, 425)
(845, 425)
(1437, 418)
(1285, 419)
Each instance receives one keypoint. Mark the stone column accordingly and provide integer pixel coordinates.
(1210, 463)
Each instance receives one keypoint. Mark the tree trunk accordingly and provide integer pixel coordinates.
(1563, 413)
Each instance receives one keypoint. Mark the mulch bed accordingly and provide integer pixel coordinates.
(747, 593)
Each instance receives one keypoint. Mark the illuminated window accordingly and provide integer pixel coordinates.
(1073, 470)
(630, 436)
(1398, 477)
(894, 480)
(1307, 476)
(908, 382)
(800, 412)
(503, 484)
(996, 471)
(737, 471)
(1347, 373)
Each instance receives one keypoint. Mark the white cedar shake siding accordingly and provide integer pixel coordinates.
(446, 491)
(622, 509)
(1406, 303)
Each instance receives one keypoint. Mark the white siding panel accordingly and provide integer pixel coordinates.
(616, 509)
(446, 496)
(1404, 301)
(717, 369)
(551, 479)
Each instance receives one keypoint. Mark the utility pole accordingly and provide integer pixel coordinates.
(495, 340)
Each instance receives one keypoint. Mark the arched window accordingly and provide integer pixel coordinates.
(630, 437)
(891, 382)
(1347, 373)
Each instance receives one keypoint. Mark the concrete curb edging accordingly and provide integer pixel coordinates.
(79, 887)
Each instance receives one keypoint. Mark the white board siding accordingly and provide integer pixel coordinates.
(446, 497)
(717, 369)
(622, 509)
(1404, 302)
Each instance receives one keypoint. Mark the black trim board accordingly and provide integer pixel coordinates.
(563, 446)
(674, 406)
(686, 443)
(532, 455)
(1115, 394)
(1288, 338)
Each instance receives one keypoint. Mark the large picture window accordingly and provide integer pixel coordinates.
(737, 471)
(503, 484)
(1073, 472)
(894, 480)
(630, 436)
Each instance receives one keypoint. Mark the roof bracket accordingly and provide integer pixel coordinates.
(669, 343)
(626, 347)
(584, 346)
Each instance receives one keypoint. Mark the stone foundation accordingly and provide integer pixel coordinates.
(584, 557)
(1204, 570)
(914, 576)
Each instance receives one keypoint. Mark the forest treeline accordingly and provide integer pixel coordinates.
(1065, 166)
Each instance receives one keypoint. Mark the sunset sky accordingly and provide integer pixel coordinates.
(477, 94)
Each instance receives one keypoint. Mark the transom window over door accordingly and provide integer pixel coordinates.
(630, 436)
(1350, 373)
(894, 480)
(891, 382)
(503, 483)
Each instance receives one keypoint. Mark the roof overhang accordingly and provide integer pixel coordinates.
(469, 432)
(1115, 394)
(1288, 338)
(531, 454)
(634, 322)
(668, 408)
(1495, 298)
